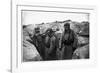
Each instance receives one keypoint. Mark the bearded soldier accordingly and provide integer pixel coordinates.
(68, 42)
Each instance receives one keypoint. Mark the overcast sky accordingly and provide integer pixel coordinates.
(33, 17)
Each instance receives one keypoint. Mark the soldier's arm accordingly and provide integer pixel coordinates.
(61, 41)
(75, 43)
(52, 44)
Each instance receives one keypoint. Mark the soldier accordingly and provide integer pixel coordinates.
(68, 42)
(38, 42)
(51, 45)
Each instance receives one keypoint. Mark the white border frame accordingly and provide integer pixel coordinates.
(18, 66)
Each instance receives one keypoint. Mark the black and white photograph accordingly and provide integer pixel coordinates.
(54, 35)
(48, 37)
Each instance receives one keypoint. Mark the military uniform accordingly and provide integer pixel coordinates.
(68, 43)
(51, 47)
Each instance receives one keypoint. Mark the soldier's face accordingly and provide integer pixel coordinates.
(67, 27)
(37, 33)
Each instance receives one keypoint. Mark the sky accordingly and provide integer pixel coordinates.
(34, 17)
